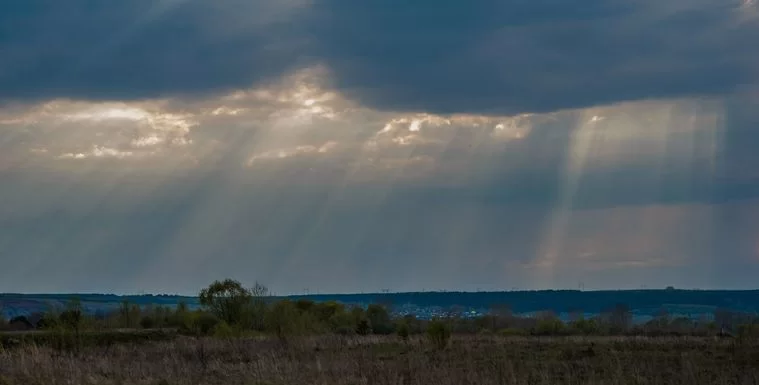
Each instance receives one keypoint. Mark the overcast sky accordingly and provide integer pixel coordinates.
(356, 146)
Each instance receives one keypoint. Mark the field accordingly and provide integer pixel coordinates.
(335, 360)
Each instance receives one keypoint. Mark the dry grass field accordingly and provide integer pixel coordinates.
(332, 360)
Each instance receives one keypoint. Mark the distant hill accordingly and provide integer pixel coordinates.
(12, 304)
(641, 302)
(565, 300)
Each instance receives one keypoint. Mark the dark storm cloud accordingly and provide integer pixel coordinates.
(487, 56)
(141, 49)
(513, 56)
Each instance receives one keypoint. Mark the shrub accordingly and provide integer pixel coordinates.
(325, 310)
(203, 323)
(282, 319)
(363, 327)
(342, 323)
(549, 327)
(147, 322)
(439, 333)
(403, 330)
(585, 326)
(380, 319)
(223, 330)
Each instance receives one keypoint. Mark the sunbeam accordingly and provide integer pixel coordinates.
(294, 181)
(658, 150)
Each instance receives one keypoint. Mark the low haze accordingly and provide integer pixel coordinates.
(356, 146)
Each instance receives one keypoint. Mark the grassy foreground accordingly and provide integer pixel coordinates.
(338, 360)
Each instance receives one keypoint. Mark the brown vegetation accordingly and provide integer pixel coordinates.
(385, 360)
(243, 336)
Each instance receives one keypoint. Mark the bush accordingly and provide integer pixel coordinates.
(379, 319)
(403, 330)
(585, 326)
(325, 310)
(200, 323)
(282, 319)
(363, 327)
(147, 322)
(549, 327)
(439, 333)
(223, 330)
(342, 323)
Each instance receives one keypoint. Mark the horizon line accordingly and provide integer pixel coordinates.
(387, 293)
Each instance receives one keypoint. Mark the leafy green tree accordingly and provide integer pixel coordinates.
(199, 323)
(305, 305)
(228, 300)
(343, 323)
(308, 320)
(325, 310)
(358, 313)
(282, 319)
(379, 318)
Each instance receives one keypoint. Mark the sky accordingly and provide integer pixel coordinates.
(329, 146)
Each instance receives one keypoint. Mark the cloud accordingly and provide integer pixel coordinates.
(492, 57)
(534, 56)
(143, 49)
(643, 152)
(98, 152)
(537, 147)
(79, 130)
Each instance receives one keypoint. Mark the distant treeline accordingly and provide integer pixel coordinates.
(228, 309)
(562, 301)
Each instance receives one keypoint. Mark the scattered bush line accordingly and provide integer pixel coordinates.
(231, 310)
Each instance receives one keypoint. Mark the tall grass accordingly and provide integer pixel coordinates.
(339, 360)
